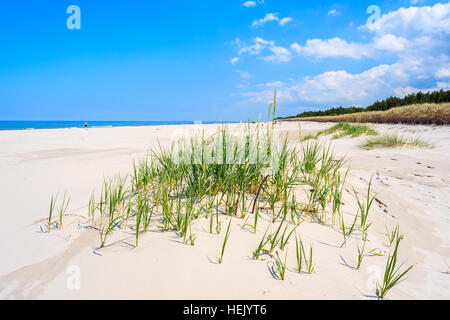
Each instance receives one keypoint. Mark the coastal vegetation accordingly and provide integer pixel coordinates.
(237, 175)
(424, 108)
(395, 140)
(392, 275)
(438, 114)
(343, 129)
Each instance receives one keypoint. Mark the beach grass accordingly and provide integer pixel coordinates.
(299, 250)
(50, 213)
(225, 240)
(343, 129)
(364, 208)
(63, 208)
(392, 235)
(360, 255)
(281, 265)
(394, 140)
(392, 275)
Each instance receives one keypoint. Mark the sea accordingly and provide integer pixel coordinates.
(30, 125)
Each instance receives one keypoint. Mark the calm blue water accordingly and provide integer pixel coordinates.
(22, 125)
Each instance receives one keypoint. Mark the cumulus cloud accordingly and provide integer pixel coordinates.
(443, 73)
(255, 49)
(268, 17)
(271, 17)
(334, 47)
(401, 92)
(362, 88)
(279, 54)
(414, 30)
(285, 20)
(390, 42)
(275, 53)
(409, 47)
(249, 4)
(331, 86)
(234, 60)
(414, 21)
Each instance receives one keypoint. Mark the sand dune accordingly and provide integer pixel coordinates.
(412, 186)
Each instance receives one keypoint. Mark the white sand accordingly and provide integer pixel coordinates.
(413, 187)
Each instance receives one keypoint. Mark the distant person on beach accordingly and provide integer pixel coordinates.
(85, 125)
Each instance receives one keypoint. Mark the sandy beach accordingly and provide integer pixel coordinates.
(412, 187)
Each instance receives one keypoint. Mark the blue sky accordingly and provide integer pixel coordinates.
(214, 60)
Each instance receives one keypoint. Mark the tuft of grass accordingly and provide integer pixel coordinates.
(63, 208)
(337, 190)
(392, 140)
(364, 208)
(50, 213)
(142, 214)
(309, 137)
(392, 275)
(285, 238)
(299, 252)
(392, 235)
(309, 261)
(281, 265)
(273, 238)
(92, 207)
(360, 255)
(343, 129)
(225, 240)
(261, 245)
(108, 229)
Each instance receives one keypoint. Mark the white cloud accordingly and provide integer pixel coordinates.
(254, 49)
(334, 47)
(342, 87)
(296, 47)
(234, 60)
(406, 31)
(413, 21)
(285, 20)
(390, 42)
(279, 54)
(414, 41)
(443, 85)
(249, 4)
(443, 73)
(401, 92)
(332, 12)
(271, 17)
(268, 17)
